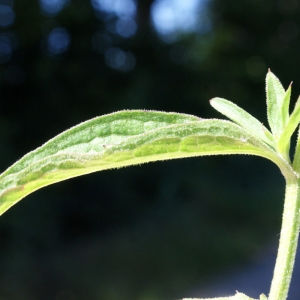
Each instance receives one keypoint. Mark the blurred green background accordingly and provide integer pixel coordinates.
(148, 232)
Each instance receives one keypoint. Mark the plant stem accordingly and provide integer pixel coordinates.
(288, 241)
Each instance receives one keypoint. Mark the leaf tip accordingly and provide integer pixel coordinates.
(211, 101)
(297, 101)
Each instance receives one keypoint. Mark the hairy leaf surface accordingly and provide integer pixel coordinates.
(123, 139)
(277, 104)
(237, 296)
(243, 118)
(284, 140)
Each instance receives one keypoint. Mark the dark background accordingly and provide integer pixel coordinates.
(148, 232)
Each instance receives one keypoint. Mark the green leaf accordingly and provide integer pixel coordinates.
(89, 137)
(284, 140)
(123, 139)
(296, 161)
(277, 104)
(286, 106)
(94, 135)
(241, 117)
(237, 296)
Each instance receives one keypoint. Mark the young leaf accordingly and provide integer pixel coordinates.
(284, 140)
(286, 105)
(296, 161)
(277, 104)
(241, 117)
(123, 139)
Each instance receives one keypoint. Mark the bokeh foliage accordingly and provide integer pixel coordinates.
(159, 230)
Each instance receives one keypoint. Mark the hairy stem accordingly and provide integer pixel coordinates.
(288, 241)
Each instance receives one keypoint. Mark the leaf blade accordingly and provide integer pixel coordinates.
(244, 119)
(276, 109)
(286, 105)
(284, 140)
(95, 133)
(190, 137)
(296, 161)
